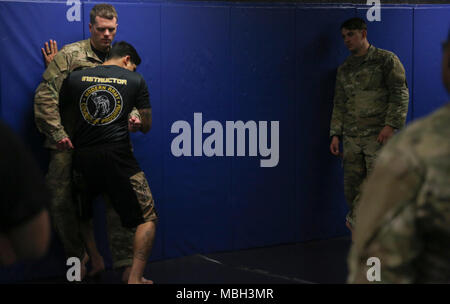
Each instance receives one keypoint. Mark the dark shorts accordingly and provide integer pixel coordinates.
(112, 170)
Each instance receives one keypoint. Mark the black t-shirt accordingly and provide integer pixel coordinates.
(102, 97)
(101, 55)
(22, 188)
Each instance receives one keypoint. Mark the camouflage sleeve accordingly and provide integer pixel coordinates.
(386, 219)
(337, 117)
(395, 79)
(134, 112)
(46, 98)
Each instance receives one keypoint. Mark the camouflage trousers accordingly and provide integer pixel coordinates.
(359, 157)
(65, 217)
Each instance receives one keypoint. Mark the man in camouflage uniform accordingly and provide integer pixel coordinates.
(79, 55)
(404, 214)
(370, 103)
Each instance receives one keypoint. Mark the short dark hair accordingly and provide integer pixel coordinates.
(121, 49)
(354, 24)
(103, 10)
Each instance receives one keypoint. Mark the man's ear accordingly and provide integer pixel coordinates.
(126, 60)
(90, 28)
(364, 34)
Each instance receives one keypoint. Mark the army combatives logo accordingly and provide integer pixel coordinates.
(101, 104)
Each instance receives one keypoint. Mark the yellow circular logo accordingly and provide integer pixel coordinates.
(101, 104)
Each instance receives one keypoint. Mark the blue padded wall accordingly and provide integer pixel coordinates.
(263, 87)
(196, 78)
(320, 206)
(229, 62)
(431, 24)
(263, 60)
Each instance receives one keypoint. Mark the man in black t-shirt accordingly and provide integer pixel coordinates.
(103, 97)
(82, 54)
(24, 219)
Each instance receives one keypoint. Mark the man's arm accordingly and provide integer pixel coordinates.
(144, 107)
(134, 113)
(385, 134)
(46, 99)
(337, 118)
(24, 220)
(334, 146)
(134, 120)
(395, 80)
(65, 101)
(30, 240)
(146, 115)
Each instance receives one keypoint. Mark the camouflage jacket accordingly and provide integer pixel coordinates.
(404, 214)
(74, 56)
(371, 92)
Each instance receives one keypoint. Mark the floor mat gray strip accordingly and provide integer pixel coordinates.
(258, 271)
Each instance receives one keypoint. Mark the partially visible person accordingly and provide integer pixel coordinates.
(102, 97)
(75, 56)
(24, 219)
(370, 105)
(404, 214)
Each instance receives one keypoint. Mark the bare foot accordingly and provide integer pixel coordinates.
(141, 281)
(83, 266)
(126, 274)
(98, 265)
(147, 281)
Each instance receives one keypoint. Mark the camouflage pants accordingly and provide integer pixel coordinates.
(62, 210)
(120, 239)
(66, 220)
(359, 156)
